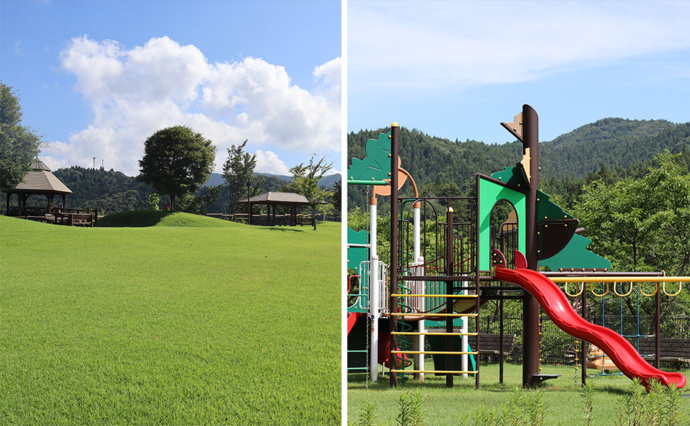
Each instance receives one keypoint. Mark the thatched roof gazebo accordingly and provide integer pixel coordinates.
(274, 199)
(39, 181)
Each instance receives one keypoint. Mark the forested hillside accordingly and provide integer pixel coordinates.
(445, 167)
(110, 191)
(107, 191)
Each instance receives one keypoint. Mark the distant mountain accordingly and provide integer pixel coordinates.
(435, 162)
(613, 142)
(215, 180)
(328, 181)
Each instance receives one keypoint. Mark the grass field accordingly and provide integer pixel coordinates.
(191, 321)
(564, 404)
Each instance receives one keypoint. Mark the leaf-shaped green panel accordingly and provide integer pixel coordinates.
(377, 164)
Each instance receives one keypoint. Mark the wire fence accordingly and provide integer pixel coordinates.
(559, 348)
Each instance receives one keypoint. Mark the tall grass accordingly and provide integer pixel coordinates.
(606, 400)
(169, 324)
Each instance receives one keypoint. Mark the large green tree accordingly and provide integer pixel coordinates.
(176, 162)
(19, 145)
(641, 224)
(238, 172)
(644, 225)
(305, 181)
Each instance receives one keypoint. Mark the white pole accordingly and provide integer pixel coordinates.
(374, 293)
(374, 298)
(419, 270)
(419, 358)
(417, 230)
(372, 227)
(464, 358)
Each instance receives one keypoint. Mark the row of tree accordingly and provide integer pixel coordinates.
(178, 161)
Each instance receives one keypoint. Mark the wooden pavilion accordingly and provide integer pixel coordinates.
(39, 181)
(274, 199)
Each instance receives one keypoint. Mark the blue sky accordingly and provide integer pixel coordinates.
(96, 78)
(458, 69)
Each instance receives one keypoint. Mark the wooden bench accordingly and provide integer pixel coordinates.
(671, 350)
(81, 219)
(489, 344)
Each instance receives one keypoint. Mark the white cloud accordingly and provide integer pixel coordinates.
(135, 92)
(422, 45)
(268, 162)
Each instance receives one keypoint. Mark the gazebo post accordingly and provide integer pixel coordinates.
(21, 202)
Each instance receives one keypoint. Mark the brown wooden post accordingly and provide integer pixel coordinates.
(477, 303)
(530, 362)
(392, 303)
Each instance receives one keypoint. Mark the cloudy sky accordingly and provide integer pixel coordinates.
(456, 69)
(96, 78)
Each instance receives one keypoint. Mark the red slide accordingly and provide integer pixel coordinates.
(352, 319)
(557, 307)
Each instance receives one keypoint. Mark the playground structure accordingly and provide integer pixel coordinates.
(441, 271)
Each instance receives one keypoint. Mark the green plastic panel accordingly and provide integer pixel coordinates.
(576, 255)
(356, 255)
(548, 210)
(489, 194)
(377, 164)
(513, 176)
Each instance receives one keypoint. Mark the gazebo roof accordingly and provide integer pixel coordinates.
(40, 181)
(278, 198)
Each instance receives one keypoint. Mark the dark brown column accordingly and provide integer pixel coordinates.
(392, 303)
(530, 363)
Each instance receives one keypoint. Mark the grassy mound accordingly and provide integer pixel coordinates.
(138, 219)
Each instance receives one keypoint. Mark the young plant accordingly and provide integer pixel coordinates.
(654, 403)
(513, 410)
(536, 410)
(367, 417)
(672, 412)
(410, 404)
(587, 393)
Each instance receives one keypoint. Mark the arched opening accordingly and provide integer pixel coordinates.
(504, 229)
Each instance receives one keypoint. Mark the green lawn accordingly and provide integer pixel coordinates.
(442, 406)
(178, 324)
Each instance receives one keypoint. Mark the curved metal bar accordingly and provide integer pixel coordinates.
(680, 287)
(595, 293)
(565, 289)
(626, 294)
(656, 288)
